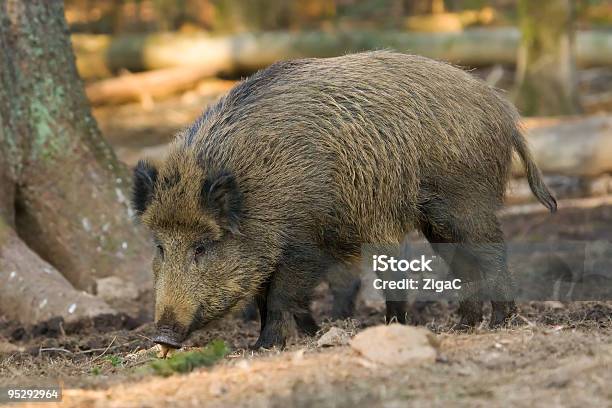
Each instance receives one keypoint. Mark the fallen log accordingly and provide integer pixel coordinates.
(146, 85)
(571, 203)
(249, 52)
(577, 147)
(564, 187)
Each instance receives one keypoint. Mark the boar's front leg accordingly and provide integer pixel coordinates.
(261, 300)
(306, 323)
(288, 297)
(281, 307)
(275, 331)
(278, 323)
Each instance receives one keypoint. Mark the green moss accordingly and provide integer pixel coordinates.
(49, 138)
(115, 360)
(4, 231)
(188, 361)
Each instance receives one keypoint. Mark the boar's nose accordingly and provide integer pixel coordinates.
(170, 332)
(166, 336)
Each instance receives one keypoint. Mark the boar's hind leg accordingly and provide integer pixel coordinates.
(463, 267)
(473, 248)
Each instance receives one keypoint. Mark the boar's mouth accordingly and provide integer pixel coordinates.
(172, 334)
(169, 332)
(168, 337)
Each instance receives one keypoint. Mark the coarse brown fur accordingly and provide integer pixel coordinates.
(299, 165)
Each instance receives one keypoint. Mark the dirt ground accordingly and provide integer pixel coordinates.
(555, 354)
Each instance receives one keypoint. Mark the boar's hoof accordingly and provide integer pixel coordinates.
(502, 314)
(467, 324)
(269, 341)
(168, 338)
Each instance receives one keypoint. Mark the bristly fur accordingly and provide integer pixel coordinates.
(320, 156)
(145, 176)
(221, 196)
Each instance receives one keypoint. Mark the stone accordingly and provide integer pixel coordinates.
(333, 337)
(396, 344)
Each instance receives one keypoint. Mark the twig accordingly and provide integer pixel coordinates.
(63, 350)
(529, 322)
(106, 348)
(145, 337)
(94, 350)
(137, 363)
(104, 352)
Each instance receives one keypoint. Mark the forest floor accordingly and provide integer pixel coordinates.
(559, 356)
(556, 354)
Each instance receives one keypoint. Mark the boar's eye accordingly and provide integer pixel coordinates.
(160, 249)
(199, 250)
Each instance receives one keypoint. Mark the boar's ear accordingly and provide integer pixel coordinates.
(145, 175)
(221, 196)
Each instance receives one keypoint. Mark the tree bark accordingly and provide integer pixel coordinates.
(546, 83)
(64, 191)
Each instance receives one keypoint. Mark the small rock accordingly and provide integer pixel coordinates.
(333, 337)
(554, 304)
(112, 288)
(8, 348)
(396, 344)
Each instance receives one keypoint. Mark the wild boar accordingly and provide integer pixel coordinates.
(297, 167)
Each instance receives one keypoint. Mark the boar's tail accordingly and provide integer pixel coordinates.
(534, 176)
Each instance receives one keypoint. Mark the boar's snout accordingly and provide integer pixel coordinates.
(166, 336)
(169, 331)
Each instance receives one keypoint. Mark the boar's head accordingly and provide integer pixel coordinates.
(201, 266)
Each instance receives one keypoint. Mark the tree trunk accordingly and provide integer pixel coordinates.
(64, 192)
(546, 83)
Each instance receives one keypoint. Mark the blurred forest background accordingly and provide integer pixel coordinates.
(88, 87)
(150, 67)
(230, 16)
(552, 57)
